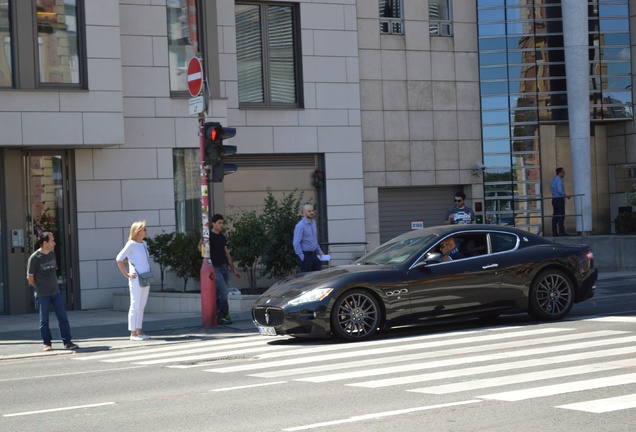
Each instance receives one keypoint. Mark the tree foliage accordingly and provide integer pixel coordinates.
(159, 250)
(266, 237)
(177, 251)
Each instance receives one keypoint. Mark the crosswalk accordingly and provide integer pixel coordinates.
(506, 364)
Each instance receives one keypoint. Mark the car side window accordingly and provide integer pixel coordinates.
(502, 242)
(472, 245)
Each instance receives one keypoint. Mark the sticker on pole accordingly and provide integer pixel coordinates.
(195, 76)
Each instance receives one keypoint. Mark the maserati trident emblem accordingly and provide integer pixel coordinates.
(267, 317)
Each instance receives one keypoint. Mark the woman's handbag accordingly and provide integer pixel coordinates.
(145, 278)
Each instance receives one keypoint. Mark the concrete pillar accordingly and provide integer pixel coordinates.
(575, 41)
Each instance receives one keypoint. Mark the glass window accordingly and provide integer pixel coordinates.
(187, 190)
(58, 43)
(439, 16)
(183, 40)
(502, 242)
(6, 72)
(267, 55)
(391, 18)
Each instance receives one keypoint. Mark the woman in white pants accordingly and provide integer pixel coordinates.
(138, 262)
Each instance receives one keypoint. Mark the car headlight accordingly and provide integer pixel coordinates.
(315, 294)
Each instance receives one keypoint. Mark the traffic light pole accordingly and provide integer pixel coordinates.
(208, 284)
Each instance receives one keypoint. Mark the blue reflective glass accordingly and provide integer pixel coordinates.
(620, 39)
(492, 29)
(607, 25)
(619, 68)
(496, 87)
(499, 163)
(606, 10)
(616, 53)
(488, 59)
(496, 146)
(497, 14)
(491, 43)
(495, 117)
(494, 102)
(486, 3)
(493, 73)
(502, 131)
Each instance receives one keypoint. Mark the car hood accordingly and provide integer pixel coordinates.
(293, 286)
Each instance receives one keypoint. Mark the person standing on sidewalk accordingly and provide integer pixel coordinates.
(460, 214)
(222, 262)
(305, 241)
(558, 203)
(138, 262)
(42, 275)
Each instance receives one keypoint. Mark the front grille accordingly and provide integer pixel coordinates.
(268, 316)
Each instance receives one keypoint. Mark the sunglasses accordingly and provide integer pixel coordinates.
(458, 200)
(443, 245)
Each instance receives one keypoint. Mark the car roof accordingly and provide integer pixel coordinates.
(445, 230)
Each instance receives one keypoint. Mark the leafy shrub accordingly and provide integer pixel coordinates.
(626, 223)
(179, 252)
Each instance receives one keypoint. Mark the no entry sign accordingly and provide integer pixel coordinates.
(195, 76)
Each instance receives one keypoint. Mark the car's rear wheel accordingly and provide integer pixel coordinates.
(355, 316)
(551, 296)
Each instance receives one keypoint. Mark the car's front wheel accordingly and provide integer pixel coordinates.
(551, 296)
(355, 316)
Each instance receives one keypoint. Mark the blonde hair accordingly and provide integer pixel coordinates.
(135, 228)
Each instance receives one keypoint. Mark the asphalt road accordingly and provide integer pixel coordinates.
(509, 374)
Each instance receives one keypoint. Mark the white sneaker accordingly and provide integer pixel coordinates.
(136, 338)
(144, 337)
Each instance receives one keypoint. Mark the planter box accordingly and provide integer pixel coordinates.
(179, 302)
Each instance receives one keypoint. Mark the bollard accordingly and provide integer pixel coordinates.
(208, 294)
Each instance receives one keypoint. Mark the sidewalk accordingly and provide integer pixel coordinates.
(106, 329)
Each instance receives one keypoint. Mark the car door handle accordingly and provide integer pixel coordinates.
(490, 266)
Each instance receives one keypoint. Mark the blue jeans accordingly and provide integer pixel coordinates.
(222, 276)
(60, 312)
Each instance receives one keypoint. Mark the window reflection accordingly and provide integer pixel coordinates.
(6, 72)
(183, 40)
(58, 44)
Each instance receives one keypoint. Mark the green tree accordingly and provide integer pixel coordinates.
(280, 218)
(159, 250)
(185, 257)
(245, 241)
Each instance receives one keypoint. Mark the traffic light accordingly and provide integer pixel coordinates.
(215, 150)
(319, 179)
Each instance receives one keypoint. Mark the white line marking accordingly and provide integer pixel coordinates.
(527, 377)
(556, 389)
(247, 386)
(70, 373)
(59, 409)
(358, 353)
(470, 359)
(600, 406)
(622, 319)
(378, 415)
(445, 374)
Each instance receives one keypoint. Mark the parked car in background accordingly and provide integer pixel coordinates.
(497, 270)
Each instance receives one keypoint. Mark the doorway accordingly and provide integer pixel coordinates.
(49, 207)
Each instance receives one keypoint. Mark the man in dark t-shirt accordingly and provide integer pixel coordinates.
(42, 275)
(222, 262)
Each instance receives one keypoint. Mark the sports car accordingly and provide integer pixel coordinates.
(492, 270)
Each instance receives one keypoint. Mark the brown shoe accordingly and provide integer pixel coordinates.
(71, 346)
(47, 348)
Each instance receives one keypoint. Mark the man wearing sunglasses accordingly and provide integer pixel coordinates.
(449, 250)
(460, 214)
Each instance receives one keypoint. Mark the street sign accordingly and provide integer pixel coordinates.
(197, 105)
(195, 76)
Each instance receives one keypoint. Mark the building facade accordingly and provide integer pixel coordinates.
(401, 103)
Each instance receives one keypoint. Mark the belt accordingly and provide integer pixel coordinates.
(308, 252)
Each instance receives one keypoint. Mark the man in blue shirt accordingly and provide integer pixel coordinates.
(306, 242)
(558, 203)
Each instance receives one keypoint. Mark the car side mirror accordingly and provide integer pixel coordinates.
(433, 257)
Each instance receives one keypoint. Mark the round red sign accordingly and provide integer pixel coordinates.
(195, 76)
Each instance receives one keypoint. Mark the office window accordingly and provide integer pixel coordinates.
(391, 18)
(58, 45)
(183, 40)
(187, 189)
(50, 53)
(439, 16)
(268, 55)
(6, 70)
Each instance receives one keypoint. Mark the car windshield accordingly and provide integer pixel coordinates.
(398, 250)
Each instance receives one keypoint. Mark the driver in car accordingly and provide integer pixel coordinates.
(449, 250)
